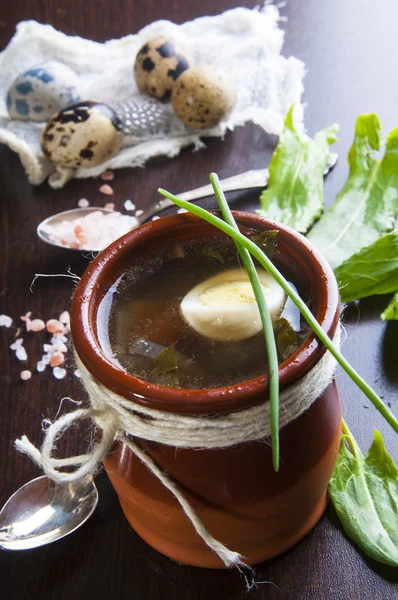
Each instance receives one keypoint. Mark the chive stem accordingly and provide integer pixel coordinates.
(268, 329)
(308, 316)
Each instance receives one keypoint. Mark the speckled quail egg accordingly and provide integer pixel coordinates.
(41, 91)
(83, 135)
(203, 97)
(158, 64)
(224, 307)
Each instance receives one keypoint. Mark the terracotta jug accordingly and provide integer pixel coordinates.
(235, 491)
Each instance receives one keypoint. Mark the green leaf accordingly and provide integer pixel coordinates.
(366, 207)
(391, 312)
(165, 361)
(266, 240)
(372, 270)
(364, 492)
(210, 250)
(294, 195)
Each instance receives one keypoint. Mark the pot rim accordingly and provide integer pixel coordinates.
(227, 399)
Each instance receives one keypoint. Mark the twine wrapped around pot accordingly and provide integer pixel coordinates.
(123, 420)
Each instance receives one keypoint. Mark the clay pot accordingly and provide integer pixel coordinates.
(240, 499)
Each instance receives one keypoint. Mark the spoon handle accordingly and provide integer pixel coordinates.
(250, 179)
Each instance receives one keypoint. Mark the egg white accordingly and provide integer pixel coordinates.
(224, 307)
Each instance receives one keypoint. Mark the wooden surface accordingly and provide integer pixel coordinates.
(350, 50)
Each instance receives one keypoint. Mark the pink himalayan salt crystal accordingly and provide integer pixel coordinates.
(5, 321)
(25, 375)
(110, 206)
(16, 344)
(40, 366)
(59, 373)
(59, 347)
(20, 353)
(107, 176)
(56, 359)
(83, 203)
(65, 318)
(106, 189)
(129, 205)
(35, 325)
(54, 326)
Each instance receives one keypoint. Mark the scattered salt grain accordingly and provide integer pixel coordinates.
(35, 325)
(25, 375)
(54, 326)
(65, 318)
(58, 337)
(94, 231)
(110, 206)
(5, 321)
(16, 344)
(56, 359)
(45, 359)
(155, 218)
(129, 205)
(139, 212)
(83, 203)
(47, 347)
(20, 353)
(59, 373)
(60, 347)
(77, 374)
(107, 176)
(106, 189)
(182, 210)
(41, 365)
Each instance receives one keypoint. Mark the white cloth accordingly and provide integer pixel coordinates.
(246, 44)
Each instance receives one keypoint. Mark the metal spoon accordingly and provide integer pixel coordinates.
(249, 179)
(41, 512)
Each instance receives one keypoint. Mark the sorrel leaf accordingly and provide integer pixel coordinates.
(372, 270)
(266, 240)
(391, 312)
(210, 250)
(367, 205)
(364, 492)
(166, 361)
(294, 195)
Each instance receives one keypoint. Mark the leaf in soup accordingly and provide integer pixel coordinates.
(391, 312)
(166, 361)
(366, 207)
(294, 195)
(364, 492)
(265, 240)
(286, 338)
(372, 270)
(210, 250)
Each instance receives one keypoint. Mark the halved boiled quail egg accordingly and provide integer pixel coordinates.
(224, 307)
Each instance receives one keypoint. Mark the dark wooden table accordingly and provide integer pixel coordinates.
(350, 50)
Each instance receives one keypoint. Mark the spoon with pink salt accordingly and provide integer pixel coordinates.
(94, 228)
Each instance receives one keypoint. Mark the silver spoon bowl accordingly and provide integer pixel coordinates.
(41, 512)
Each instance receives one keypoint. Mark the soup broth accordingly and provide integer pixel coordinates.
(141, 328)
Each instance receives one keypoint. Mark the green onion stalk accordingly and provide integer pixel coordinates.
(265, 262)
(265, 319)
